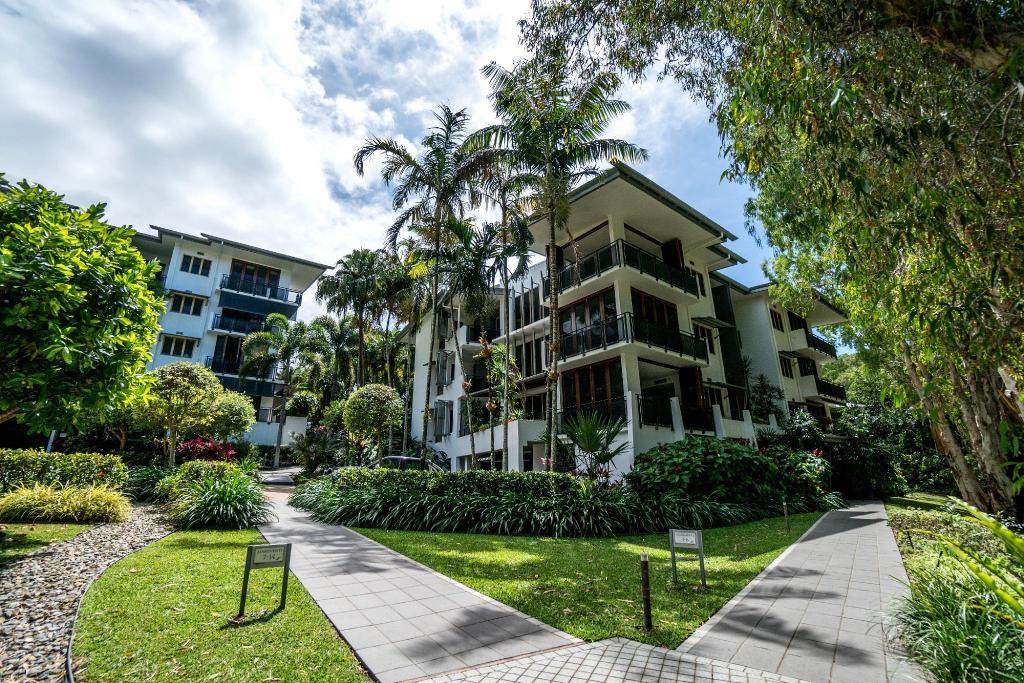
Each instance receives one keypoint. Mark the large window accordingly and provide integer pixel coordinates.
(195, 265)
(796, 322)
(776, 320)
(585, 313)
(181, 347)
(255, 274)
(807, 367)
(651, 309)
(189, 305)
(599, 382)
(787, 366)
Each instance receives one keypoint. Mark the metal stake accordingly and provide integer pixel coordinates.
(645, 582)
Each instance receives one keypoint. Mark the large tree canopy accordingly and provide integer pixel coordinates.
(77, 315)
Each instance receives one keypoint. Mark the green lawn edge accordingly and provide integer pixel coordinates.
(25, 537)
(162, 614)
(590, 587)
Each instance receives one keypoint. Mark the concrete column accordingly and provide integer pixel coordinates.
(716, 414)
(748, 423)
(616, 228)
(772, 422)
(677, 419)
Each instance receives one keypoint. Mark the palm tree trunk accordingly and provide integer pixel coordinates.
(465, 394)
(433, 331)
(552, 379)
(362, 350)
(508, 353)
(407, 419)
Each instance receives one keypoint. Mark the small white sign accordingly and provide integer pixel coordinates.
(268, 556)
(684, 539)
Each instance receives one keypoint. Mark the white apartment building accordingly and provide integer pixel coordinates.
(648, 331)
(218, 291)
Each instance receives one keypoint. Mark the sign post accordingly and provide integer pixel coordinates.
(687, 539)
(265, 556)
(645, 591)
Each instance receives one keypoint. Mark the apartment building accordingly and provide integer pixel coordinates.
(218, 291)
(647, 332)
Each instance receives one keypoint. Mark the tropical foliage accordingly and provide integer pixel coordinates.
(28, 467)
(371, 411)
(42, 503)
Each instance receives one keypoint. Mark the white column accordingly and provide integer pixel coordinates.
(748, 426)
(716, 413)
(677, 418)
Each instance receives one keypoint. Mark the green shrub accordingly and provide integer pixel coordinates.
(171, 487)
(41, 503)
(954, 632)
(725, 470)
(25, 467)
(228, 499)
(514, 503)
(142, 482)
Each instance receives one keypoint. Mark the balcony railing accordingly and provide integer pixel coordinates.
(833, 391)
(624, 327)
(232, 366)
(820, 345)
(620, 253)
(239, 325)
(475, 332)
(698, 418)
(612, 408)
(260, 288)
(269, 415)
(654, 411)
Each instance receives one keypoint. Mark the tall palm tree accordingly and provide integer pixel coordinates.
(335, 342)
(278, 348)
(550, 128)
(429, 190)
(353, 287)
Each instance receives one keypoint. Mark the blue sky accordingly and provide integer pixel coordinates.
(240, 118)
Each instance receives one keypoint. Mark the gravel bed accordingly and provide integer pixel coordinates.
(40, 592)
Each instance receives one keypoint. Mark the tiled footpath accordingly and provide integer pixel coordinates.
(817, 612)
(403, 620)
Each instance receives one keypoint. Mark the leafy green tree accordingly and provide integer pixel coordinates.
(765, 399)
(331, 344)
(78, 314)
(119, 421)
(183, 398)
(233, 415)
(550, 128)
(353, 287)
(429, 190)
(371, 411)
(278, 350)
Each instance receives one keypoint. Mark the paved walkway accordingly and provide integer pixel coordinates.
(403, 620)
(816, 612)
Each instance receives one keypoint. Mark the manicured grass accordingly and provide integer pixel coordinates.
(24, 538)
(590, 587)
(162, 614)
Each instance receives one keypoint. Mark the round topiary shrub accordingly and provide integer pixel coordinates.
(371, 410)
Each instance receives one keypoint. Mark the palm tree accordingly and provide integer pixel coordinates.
(550, 128)
(353, 287)
(333, 341)
(429, 190)
(278, 348)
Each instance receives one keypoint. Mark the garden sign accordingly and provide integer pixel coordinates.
(687, 539)
(264, 556)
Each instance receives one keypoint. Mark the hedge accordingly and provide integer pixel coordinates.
(41, 503)
(26, 467)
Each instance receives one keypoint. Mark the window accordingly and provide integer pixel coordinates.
(189, 305)
(653, 310)
(807, 367)
(699, 277)
(178, 346)
(796, 322)
(706, 334)
(787, 366)
(776, 320)
(195, 265)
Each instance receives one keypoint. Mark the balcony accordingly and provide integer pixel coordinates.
(620, 253)
(268, 415)
(810, 345)
(613, 408)
(654, 411)
(238, 325)
(261, 289)
(815, 387)
(231, 366)
(624, 328)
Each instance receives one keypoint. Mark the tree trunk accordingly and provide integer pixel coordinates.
(465, 394)
(172, 445)
(362, 351)
(8, 414)
(409, 385)
(433, 336)
(505, 390)
(553, 345)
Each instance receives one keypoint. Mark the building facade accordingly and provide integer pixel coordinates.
(648, 332)
(218, 291)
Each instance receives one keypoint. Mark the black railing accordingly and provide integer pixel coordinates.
(260, 288)
(227, 366)
(833, 391)
(655, 411)
(620, 253)
(475, 332)
(820, 345)
(239, 325)
(612, 408)
(624, 327)
(698, 418)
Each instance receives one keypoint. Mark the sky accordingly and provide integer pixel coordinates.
(240, 118)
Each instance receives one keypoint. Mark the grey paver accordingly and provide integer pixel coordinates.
(825, 599)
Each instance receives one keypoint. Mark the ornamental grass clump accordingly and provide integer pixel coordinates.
(40, 503)
(143, 481)
(229, 500)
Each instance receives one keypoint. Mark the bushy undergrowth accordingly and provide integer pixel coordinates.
(512, 503)
(170, 487)
(229, 499)
(26, 467)
(40, 503)
(951, 629)
(142, 482)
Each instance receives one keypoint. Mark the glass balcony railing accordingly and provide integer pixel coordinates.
(239, 325)
(260, 288)
(624, 327)
(620, 253)
(232, 366)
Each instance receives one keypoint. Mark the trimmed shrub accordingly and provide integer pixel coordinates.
(514, 503)
(143, 481)
(228, 499)
(41, 503)
(19, 468)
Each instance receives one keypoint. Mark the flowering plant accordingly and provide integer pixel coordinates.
(201, 448)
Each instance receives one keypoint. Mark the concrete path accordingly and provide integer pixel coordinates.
(615, 660)
(403, 620)
(816, 613)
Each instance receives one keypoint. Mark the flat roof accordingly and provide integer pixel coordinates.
(207, 239)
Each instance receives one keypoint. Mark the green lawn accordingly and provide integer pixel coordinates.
(591, 587)
(24, 538)
(162, 614)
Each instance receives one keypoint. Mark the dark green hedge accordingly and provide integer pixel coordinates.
(512, 503)
(28, 467)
